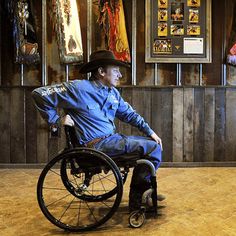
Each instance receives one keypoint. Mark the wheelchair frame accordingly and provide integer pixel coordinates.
(84, 174)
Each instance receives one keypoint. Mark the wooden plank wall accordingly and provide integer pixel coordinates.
(191, 121)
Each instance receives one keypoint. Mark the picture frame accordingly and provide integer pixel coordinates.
(187, 37)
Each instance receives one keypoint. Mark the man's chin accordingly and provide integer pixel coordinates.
(116, 84)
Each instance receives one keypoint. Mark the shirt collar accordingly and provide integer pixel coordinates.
(100, 85)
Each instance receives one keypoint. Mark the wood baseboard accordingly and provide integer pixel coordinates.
(163, 165)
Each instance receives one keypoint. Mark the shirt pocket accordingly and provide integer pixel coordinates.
(112, 109)
(93, 108)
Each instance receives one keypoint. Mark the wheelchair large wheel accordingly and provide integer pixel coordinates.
(81, 207)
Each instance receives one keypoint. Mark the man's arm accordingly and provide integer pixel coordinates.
(127, 114)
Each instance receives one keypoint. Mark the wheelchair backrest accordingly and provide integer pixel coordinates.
(71, 139)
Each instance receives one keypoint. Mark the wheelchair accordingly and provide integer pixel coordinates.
(81, 188)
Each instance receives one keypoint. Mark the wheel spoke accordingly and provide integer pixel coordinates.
(102, 183)
(106, 177)
(79, 213)
(58, 200)
(103, 177)
(66, 209)
(91, 211)
(62, 189)
(54, 172)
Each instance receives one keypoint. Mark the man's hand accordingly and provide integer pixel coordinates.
(157, 139)
(67, 120)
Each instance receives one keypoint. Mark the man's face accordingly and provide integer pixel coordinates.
(111, 76)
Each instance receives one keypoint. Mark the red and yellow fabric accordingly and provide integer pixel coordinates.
(112, 22)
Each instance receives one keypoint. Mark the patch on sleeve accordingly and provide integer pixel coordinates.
(51, 90)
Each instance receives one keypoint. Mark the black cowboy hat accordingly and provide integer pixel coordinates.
(101, 58)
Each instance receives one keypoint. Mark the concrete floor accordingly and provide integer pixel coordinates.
(200, 201)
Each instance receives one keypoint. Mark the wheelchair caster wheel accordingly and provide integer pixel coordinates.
(136, 219)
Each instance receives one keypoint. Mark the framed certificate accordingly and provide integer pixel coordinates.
(178, 31)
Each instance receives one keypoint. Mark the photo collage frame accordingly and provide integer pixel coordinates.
(178, 29)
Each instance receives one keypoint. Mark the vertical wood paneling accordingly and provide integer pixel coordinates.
(209, 124)
(42, 140)
(190, 74)
(17, 117)
(166, 110)
(156, 112)
(220, 123)
(30, 128)
(121, 126)
(198, 135)
(195, 124)
(141, 102)
(230, 124)
(178, 125)
(5, 126)
(167, 74)
(52, 146)
(188, 123)
(212, 71)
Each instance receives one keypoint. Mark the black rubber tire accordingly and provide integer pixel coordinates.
(97, 156)
(137, 219)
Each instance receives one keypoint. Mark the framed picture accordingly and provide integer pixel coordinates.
(193, 30)
(194, 3)
(162, 46)
(162, 3)
(162, 15)
(177, 11)
(162, 29)
(193, 15)
(178, 31)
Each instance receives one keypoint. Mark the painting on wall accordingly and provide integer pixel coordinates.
(65, 17)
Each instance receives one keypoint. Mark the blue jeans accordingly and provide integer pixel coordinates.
(118, 144)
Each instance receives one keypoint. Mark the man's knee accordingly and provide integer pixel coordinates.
(155, 151)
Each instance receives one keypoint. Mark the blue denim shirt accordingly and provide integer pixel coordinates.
(92, 106)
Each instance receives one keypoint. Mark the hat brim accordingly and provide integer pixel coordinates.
(90, 66)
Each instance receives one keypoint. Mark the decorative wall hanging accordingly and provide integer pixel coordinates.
(65, 17)
(178, 31)
(112, 23)
(24, 36)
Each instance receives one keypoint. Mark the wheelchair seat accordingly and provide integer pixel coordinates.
(124, 160)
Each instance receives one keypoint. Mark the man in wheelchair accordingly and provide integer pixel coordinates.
(91, 107)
